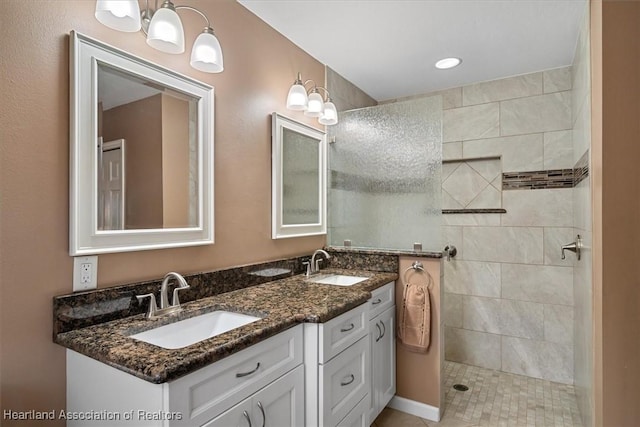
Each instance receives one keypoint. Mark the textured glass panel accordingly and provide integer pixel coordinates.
(385, 176)
(300, 179)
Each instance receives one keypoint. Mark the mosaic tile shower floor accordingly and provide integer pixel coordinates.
(495, 399)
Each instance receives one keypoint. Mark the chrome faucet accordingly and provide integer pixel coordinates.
(313, 265)
(165, 308)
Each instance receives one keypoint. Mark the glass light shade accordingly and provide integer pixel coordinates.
(330, 115)
(121, 15)
(297, 98)
(206, 54)
(166, 32)
(315, 106)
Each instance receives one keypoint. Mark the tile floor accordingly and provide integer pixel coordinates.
(495, 399)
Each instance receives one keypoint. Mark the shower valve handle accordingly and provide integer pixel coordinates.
(574, 247)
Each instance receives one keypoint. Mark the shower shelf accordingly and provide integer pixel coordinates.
(473, 211)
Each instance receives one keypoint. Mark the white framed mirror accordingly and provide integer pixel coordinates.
(298, 179)
(141, 155)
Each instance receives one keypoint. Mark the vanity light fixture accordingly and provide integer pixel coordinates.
(163, 29)
(311, 102)
(446, 63)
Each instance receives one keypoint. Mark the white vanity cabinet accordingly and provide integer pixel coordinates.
(264, 373)
(383, 348)
(337, 358)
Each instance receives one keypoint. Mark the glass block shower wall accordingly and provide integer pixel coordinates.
(384, 176)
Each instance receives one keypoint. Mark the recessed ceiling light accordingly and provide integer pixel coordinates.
(446, 63)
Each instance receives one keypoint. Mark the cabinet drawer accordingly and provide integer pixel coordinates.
(344, 382)
(204, 394)
(381, 299)
(342, 331)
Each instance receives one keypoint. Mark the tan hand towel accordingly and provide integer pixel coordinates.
(415, 318)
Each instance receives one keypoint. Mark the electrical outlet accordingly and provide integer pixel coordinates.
(85, 273)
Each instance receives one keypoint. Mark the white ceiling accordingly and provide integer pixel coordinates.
(388, 47)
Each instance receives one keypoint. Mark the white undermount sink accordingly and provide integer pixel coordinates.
(190, 331)
(337, 279)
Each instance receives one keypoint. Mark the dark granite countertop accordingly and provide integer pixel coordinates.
(281, 304)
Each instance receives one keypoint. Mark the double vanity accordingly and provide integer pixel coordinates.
(300, 351)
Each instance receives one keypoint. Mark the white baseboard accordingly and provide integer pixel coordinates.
(412, 407)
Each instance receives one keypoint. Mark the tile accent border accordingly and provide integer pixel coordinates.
(536, 180)
(581, 169)
(547, 179)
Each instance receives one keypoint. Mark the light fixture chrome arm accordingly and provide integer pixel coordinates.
(326, 92)
(193, 9)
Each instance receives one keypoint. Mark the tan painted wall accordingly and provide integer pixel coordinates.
(137, 123)
(419, 374)
(260, 65)
(175, 162)
(616, 201)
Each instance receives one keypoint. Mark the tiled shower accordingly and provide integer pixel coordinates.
(515, 188)
(509, 298)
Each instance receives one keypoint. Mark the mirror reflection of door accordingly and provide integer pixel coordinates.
(112, 186)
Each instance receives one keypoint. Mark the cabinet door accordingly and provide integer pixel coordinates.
(383, 361)
(238, 416)
(281, 403)
(386, 359)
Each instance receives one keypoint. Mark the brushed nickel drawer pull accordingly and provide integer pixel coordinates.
(264, 416)
(376, 302)
(379, 332)
(347, 329)
(244, 374)
(344, 383)
(384, 329)
(246, 415)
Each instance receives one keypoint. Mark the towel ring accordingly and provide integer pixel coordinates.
(417, 266)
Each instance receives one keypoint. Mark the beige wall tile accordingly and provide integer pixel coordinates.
(557, 80)
(448, 202)
(481, 314)
(552, 208)
(503, 244)
(453, 310)
(519, 153)
(471, 219)
(539, 283)
(489, 198)
(542, 113)
(452, 150)
(558, 324)
(451, 98)
(521, 319)
(582, 130)
(498, 90)
(476, 122)
(464, 184)
(558, 150)
(473, 348)
(472, 277)
(538, 359)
